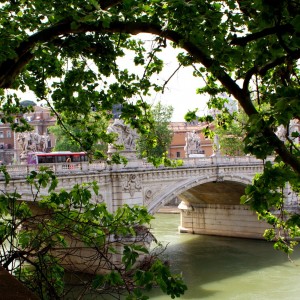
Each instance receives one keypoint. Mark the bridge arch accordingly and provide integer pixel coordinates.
(191, 188)
(211, 205)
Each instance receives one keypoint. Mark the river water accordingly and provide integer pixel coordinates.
(222, 268)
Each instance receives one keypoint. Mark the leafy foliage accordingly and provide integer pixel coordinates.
(267, 196)
(42, 242)
(68, 53)
(231, 135)
(156, 142)
(69, 134)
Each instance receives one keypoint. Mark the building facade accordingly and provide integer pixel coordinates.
(180, 132)
(40, 119)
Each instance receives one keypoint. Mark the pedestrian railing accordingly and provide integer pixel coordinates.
(99, 166)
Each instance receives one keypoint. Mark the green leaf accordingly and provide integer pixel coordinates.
(98, 281)
(296, 23)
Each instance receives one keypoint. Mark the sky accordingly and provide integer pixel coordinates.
(180, 91)
(181, 94)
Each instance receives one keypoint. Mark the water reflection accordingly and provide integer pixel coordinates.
(227, 268)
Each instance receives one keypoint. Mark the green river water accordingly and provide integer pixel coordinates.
(222, 268)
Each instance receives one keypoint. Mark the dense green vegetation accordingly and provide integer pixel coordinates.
(155, 143)
(231, 134)
(68, 54)
(68, 136)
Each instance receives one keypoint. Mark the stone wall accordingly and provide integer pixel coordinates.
(222, 220)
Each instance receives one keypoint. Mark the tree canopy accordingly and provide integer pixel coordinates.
(65, 52)
(231, 134)
(68, 134)
(156, 142)
(68, 53)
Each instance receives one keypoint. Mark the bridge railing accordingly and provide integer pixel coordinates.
(222, 160)
(216, 161)
(22, 170)
(97, 166)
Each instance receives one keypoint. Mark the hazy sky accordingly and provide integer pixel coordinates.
(180, 91)
(181, 94)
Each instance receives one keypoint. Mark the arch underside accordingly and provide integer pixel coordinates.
(212, 206)
(225, 192)
(203, 190)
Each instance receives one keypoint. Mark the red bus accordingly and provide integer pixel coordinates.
(35, 158)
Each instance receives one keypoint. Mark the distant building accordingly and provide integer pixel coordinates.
(180, 131)
(7, 142)
(40, 119)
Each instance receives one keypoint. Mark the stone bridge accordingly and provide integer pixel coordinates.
(209, 190)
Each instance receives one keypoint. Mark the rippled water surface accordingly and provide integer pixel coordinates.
(227, 268)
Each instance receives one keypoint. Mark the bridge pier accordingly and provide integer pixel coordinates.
(221, 220)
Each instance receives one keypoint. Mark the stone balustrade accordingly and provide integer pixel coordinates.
(97, 166)
(59, 168)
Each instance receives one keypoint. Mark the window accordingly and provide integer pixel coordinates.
(8, 134)
(177, 154)
(76, 158)
(1, 135)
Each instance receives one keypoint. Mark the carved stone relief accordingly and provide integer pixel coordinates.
(132, 184)
(151, 192)
(100, 198)
(32, 141)
(148, 196)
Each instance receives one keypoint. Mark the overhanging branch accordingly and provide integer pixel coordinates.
(294, 55)
(213, 66)
(243, 41)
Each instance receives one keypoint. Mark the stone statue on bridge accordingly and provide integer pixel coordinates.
(286, 132)
(281, 132)
(192, 143)
(126, 137)
(32, 142)
(216, 146)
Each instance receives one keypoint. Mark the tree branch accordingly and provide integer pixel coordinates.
(278, 61)
(213, 66)
(270, 65)
(170, 77)
(106, 4)
(242, 41)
